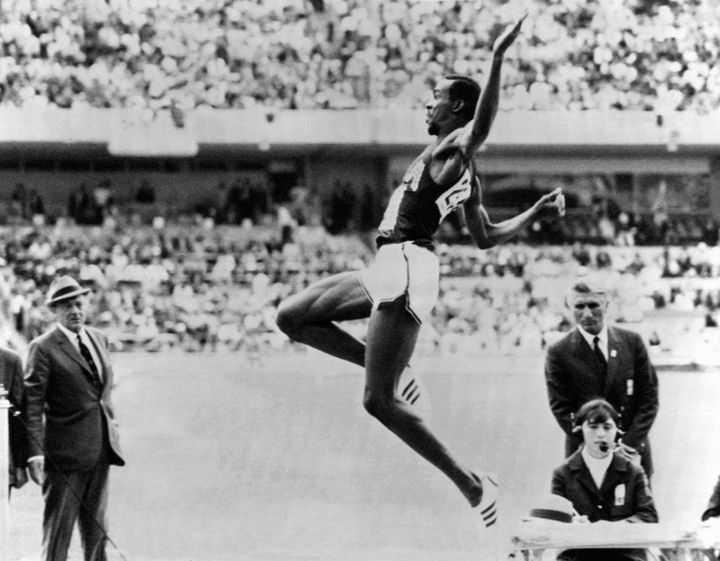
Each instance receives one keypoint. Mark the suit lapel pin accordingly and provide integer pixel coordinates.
(613, 353)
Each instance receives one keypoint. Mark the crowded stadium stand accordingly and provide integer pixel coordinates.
(195, 162)
(350, 53)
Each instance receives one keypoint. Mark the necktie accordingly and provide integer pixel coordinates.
(87, 355)
(598, 353)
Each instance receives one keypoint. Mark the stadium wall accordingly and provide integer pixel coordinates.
(141, 133)
(362, 146)
(172, 190)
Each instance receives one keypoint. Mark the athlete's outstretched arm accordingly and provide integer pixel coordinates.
(477, 130)
(486, 234)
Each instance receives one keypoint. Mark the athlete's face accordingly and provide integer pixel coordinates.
(599, 437)
(70, 313)
(438, 109)
(589, 311)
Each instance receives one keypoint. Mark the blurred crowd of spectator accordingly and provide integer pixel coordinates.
(181, 286)
(511, 299)
(198, 289)
(347, 206)
(624, 229)
(153, 54)
(595, 216)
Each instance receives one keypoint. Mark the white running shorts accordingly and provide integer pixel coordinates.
(404, 269)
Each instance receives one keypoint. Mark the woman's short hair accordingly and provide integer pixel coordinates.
(595, 411)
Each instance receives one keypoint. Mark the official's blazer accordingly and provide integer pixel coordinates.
(623, 495)
(79, 423)
(574, 376)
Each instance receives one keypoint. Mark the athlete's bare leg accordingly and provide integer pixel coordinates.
(391, 339)
(309, 316)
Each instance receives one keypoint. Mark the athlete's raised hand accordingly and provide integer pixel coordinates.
(508, 37)
(552, 204)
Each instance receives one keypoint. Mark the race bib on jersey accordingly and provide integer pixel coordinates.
(455, 195)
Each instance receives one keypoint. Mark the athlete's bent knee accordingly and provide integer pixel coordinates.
(288, 319)
(378, 406)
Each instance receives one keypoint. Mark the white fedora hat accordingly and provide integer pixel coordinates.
(551, 508)
(62, 288)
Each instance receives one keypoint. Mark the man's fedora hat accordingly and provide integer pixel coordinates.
(62, 288)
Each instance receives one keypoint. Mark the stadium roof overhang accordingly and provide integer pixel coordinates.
(258, 135)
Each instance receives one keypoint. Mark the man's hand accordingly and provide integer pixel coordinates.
(21, 477)
(36, 467)
(629, 453)
(508, 37)
(551, 205)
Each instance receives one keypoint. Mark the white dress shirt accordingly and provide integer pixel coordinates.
(597, 466)
(87, 342)
(602, 339)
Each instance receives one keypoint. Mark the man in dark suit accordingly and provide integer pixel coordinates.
(596, 360)
(68, 380)
(11, 378)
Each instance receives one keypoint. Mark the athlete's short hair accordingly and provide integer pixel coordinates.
(466, 89)
(595, 411)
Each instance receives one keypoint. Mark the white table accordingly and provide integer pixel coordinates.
(539, 541)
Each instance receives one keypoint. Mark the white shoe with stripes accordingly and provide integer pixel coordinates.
(488, 502)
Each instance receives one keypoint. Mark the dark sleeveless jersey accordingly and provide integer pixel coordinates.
(418, 205)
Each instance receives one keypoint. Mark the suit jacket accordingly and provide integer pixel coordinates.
(574, 376)
(713, 506)
(11, 377)
(79, 422)
(623, 495)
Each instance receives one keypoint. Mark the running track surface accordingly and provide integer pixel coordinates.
(230, 460)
